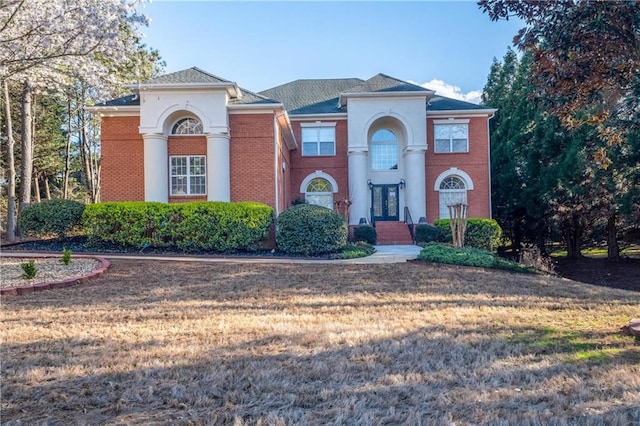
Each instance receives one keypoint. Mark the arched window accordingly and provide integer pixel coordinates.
(384, 150)
(452, 191)
(319, 191)
(187, 126)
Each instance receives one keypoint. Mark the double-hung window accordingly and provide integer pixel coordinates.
(451, 136)
(188, 175)
(318, 139)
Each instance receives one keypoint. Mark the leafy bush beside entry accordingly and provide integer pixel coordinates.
(202, 225)
(366, 233)
(57, 217)
(427, 233)
(309, 229)
(481, 233)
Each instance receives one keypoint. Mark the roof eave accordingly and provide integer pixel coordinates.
(476, 112)
(232, 88)
(113, 110)
(404, 94)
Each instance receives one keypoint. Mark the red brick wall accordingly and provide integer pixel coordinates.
(475, 163)
(186, 145)
(122, 163)
(252, 158)
(336, 166)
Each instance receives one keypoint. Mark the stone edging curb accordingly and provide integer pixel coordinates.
(13, 291)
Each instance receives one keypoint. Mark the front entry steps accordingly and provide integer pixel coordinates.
(393, 233)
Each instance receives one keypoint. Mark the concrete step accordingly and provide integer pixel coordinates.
(393, 233)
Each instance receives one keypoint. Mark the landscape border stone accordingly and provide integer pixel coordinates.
(13, 291)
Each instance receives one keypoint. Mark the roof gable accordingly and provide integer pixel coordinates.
(188, 76)
(302, 93)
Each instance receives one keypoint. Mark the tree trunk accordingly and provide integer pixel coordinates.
(11, 190)
(572, 234)
(26, 164)
(36, 187)
(67, 153)
(47, 189)
(613, 249)
(540, 237)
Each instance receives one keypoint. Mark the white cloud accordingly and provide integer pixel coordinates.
(450, 91)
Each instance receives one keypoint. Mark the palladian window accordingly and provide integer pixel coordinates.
(320, 192)
(452, 191)
(187, 126)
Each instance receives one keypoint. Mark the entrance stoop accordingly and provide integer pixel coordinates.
(393, 233)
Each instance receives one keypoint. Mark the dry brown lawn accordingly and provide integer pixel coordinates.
(213, 343)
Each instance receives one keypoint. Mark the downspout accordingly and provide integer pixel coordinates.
(489, 158)
(275, 162)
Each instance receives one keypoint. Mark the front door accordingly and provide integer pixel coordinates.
(385, 202)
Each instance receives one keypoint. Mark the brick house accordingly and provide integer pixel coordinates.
(367, 149)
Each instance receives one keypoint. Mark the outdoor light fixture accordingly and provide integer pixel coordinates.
(363, 221)
(422, 219)
(370, 184)
(402, 183)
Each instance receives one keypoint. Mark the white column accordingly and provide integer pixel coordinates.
(415, 178)
(358, 189)
(156, 168)
(218, 168)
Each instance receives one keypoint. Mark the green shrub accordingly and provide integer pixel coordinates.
(356, 250)
(57, 217)
(197, 226)
(309, 229)
(66, 256)
(366, 233)
(29, 270)
(426, 233)
(481, 233)
(468, 256)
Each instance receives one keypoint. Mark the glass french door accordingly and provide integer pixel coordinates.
(385, 202)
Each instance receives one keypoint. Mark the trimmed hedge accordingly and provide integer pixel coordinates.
(366, 233)
(481, 233)
(467, 256)
(57, 217)
(196, 226)
(427, 233)
(309, 229)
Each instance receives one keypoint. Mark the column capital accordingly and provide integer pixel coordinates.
(211, 136)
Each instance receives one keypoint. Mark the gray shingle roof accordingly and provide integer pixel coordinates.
(190, 75)
(441, 103)
(130, 100)
(317, 96)
(384, 83)
(302, 93)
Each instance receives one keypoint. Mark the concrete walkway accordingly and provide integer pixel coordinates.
(383, 254)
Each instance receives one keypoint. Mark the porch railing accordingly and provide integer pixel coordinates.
(408, 220)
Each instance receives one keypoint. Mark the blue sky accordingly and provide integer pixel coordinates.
(446, 46)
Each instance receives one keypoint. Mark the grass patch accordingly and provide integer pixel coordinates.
(155, 342)
(600, 252)
(355, 250)
(467, 256)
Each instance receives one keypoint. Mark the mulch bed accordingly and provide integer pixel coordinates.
(624, 274)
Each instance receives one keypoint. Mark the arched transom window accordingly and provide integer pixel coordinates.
(319, 191)
(187, 126)
(384, 150)
(452, 191)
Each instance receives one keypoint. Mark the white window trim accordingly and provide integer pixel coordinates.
(318, 124)
(188, 194)
(450, 121)
(454, 171)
